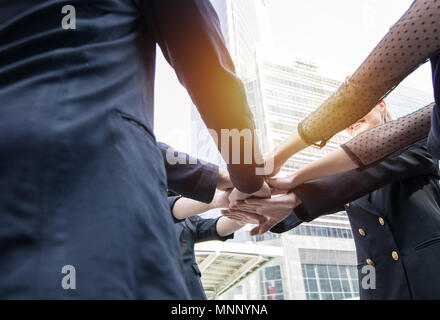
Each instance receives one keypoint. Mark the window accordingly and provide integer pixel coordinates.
(271, 283)
(317, 231)
(330, 282)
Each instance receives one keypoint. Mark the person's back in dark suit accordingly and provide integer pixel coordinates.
(82, 179)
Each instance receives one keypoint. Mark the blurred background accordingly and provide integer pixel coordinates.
(291, 55)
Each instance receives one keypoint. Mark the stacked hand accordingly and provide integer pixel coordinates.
(262, 207)
(223, 200)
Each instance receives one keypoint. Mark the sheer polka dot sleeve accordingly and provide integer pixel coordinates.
(408, 44)
(379, 142)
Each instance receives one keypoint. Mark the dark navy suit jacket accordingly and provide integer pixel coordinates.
(190, 231)
(83, 181)
(393, 208)
(434, 134)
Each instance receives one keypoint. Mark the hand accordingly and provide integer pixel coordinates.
(264, 192)
(275, 209)
(283, 185)
(221, 200)
(224, 181)
(244, 217)
(271, 166)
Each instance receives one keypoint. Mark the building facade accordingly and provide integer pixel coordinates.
(319, 258)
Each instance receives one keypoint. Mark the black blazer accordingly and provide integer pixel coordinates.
(393, 208)
(83, 182)
(190, 231)
(434, 134)
(194, 178)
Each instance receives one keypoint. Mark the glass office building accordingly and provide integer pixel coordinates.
(319, 260)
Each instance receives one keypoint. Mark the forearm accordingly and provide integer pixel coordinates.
(226, 226)
(184, 208)
(283, 152)
(335, 162)
(189, 34)
(334, 191)
(376, 144)
(370, 83)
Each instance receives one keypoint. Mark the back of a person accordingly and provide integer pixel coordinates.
(83, 182)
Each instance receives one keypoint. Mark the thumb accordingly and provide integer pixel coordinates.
(255, 231)
(266, 226)
(263, 227)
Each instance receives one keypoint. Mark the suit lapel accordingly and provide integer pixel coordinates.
(366, 205)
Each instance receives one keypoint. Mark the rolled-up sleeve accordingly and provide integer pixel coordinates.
(188, 176)
(206, 230)
(171, 202)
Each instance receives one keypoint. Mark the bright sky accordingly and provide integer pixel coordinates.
(337, 34)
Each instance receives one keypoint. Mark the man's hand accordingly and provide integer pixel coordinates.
(264, 192)
(224, 181)
(275, 209)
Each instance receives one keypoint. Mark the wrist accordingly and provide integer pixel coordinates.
(240, 223)
(223, 180)
(214, 203)
(294, 201)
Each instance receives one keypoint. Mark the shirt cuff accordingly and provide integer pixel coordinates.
(207, 183)
(301, 211)
(171, 202)
(292, 221)
(219, 237)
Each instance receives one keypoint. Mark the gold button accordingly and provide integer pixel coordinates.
(370, 262)
(362, 232)
(395, 255)
(381, 221)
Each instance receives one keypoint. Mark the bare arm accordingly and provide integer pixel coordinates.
(369, 84)
(184, 207)
(281, 153)
(335, 162)
(226, 226)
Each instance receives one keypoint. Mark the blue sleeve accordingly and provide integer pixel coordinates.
(171, 202)
(434, 134)
(189, 34)
(192, 178)
(206, 230)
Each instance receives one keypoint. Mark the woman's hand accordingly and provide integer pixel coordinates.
(282, 185)
(272, 164)
(282, 152)
(264, 192)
